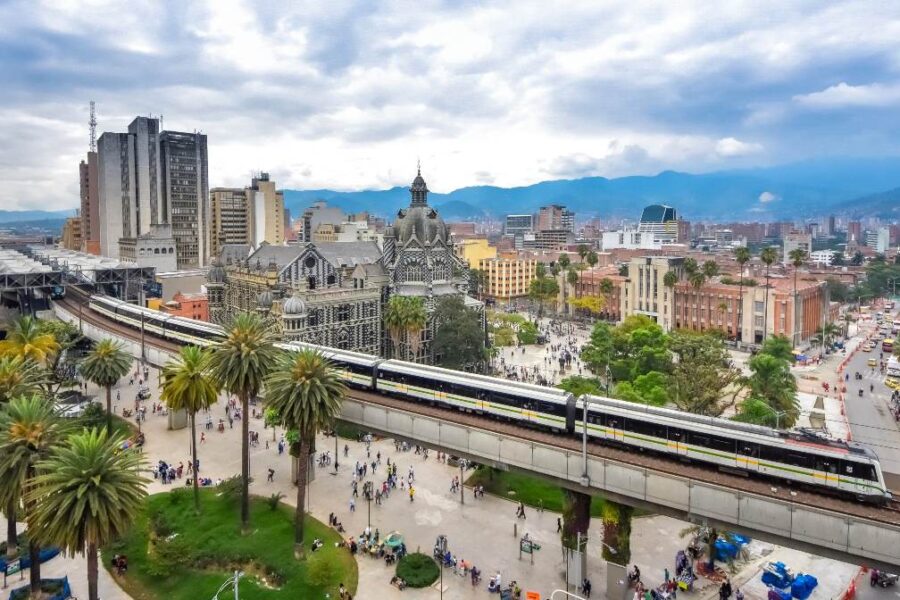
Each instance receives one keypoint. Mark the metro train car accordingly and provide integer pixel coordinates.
(846, 467)
(550, 408)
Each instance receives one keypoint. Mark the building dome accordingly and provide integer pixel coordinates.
(419, 220)
(265, 300)
(293, 306)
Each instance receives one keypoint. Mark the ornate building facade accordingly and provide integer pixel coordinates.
(419, 260)
(308, 293)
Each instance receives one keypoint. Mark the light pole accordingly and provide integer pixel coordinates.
(367, 490)
(231, 581)
(463, 463)
(778, 414)
(335, 450)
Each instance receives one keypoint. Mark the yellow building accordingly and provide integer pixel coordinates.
(506, 278)
(250, 215)
(473, 251)
(71, 234)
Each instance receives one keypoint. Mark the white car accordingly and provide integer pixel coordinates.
(73, 411)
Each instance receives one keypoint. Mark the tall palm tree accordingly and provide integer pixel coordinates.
(29, 428)
(592, 259)
(18, 377)
(27, 340)
(670, 279)
(710, 269)
(104, 366)
(798, 257)
(240, 364)
(564, 261)
(742, 257)
(697, 279)
(86, 496)
(406, 316)
(583, 251)
(768, 255)
(606, 290)
(188, 384)
(306, 392)
(690, 266)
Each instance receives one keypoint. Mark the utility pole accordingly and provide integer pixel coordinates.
(463, 463)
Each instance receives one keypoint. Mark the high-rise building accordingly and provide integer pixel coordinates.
(518, 224)
(829, 225)
(796, 240)
(185, 194)
(71, 233)
(879, 239)
(854, 231)
(250, 215)
(90, 204)
(660, 222)
(317, 214)
(555, 217)
(147, 177)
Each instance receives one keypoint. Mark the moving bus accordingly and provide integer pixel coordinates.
(887, 345)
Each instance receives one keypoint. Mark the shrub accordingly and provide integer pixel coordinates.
(418, 570)
(159, 525)
(274, 500)
(230, 489)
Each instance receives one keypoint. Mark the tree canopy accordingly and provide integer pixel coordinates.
(459, 338)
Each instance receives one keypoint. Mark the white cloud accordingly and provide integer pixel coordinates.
(843, 95)
(730, 147)
(767, 197)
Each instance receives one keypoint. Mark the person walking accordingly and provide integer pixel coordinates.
(412, 493)
(558, 524)
(520, 511)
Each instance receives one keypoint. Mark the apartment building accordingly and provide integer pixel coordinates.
(507, 277)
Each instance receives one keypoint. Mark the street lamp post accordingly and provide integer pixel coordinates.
(463, 463)
(231, 581)
(335, 451)
(367, 490)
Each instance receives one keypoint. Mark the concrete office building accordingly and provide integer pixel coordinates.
(854, 231)
(643, 291)
(147, 177)
(71, 234)
(660, 222)
(879, 239)
(507, 277)
(317, 214)
(250, 215)
(155, 248)
(555, 218)
(90, 204)
(796, 240)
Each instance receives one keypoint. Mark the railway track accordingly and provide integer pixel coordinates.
(889, 514)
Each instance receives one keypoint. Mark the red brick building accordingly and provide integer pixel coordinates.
(190, 306)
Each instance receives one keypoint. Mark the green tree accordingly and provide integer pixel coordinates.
(650, 388)
(623, 270)
(87, 495)
(670, 280)
(690, 266)
(67, 337)
(797, 256)
(578, 385)
(459, 337)
(742, 257)
(104, 366)
(592, 259)
(571, 276)
(635, 347)
(29, 428)
(27, 339)
(188, 385)
(772, 382)
(564, 261)
(583, 251)
(838, 290)
(477, 282)
(306, 391)
(527, 333)
(768, 255)
(240, 364)
(543, 289)
(857, 259)
(701, 373)
(778, 346)
(406, 316)
(616, 532)
(18, 377)
(710, 269)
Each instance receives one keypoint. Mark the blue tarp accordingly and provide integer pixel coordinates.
(726, 550)
(45, 555)
(776, 575)
(803, 586)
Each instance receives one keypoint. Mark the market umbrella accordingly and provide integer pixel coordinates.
(393, 539)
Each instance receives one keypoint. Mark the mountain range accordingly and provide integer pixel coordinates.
(854, 187)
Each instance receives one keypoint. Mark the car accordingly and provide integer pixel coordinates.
(867, 348)
(872, 362)
(69, 397)
(73, 411)
(144, 393)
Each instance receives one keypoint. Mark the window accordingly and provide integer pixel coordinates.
(758, 306)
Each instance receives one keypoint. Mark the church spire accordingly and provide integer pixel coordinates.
(419, 190)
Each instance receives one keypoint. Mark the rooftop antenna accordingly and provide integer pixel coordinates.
(161, 126)
(93, 124)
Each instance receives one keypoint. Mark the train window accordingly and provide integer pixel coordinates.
(770, 453)
(676, 435)
(798, 460)
(722, 444)
(596, 418)
(826, 465)
(552, 408)
(748, 449)
(699, 440)
(643, 428)
(615, 422)
(859, 471)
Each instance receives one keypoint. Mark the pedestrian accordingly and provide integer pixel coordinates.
(558, 524)
(520, 511)
(202, 437)
(271, 476)
(352, 505)
(412, 493)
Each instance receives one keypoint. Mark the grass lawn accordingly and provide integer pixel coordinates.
(202, 551)
(531, 491)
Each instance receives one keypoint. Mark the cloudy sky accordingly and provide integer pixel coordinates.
(347, 95)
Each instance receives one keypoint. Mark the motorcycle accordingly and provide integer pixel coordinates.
(882, 578)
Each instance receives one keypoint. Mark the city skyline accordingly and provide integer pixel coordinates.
(345, 97)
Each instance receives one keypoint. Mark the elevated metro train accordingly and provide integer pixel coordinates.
(847, 468)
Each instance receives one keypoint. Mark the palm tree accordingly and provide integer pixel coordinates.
(27, 340)
(670, 279)
(742, 256)
(240, 364)
(188, 384)
(104, 366)
(606, 290)
(564, 261)
(29, 428)
(690, 266)
(710, 269)
(768, 255)
(723, 308)
(306, 392)
(592, 259)
(697, 279)
(798, 257)
(86, 496)
(583, 251)
(406, 316)
(18, 377)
